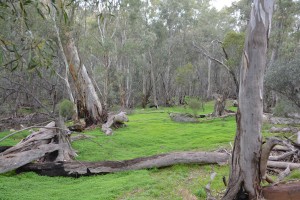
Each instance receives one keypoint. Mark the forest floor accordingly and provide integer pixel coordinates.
(149, 132)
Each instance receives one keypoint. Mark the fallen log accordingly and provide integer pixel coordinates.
(183, 117)
(50, 143)
(288, 191)
(77, 169)
(283, 130)
(283, 165)
(115, 121)
(4, 148)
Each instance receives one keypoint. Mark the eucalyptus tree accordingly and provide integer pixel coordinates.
(88, 103)
(245, 176)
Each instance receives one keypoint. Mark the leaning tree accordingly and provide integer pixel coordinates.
(245, 175)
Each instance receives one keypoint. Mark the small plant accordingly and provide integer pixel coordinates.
(66, 109)
(195, 105)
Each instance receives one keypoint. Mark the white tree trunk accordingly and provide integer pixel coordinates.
(245, 174)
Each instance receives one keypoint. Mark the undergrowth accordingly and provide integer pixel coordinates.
(149, 132)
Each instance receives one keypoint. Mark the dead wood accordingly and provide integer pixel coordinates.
(266, 149)
(183, 117)
(283, 165)
(4, 148)
(76, 168)
(281, 120)
(282, 156)
(283, 130)
(50, 143)
(289, 191)
(114, 121)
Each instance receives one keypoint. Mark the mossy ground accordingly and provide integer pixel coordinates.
(149, 132)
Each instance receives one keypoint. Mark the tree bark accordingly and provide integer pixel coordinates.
(114, 121)
(89, 101)
(245, 171)
(76, 169)
(50, 143)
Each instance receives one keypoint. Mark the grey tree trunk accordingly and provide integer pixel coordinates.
(90, 104)
(245, 174)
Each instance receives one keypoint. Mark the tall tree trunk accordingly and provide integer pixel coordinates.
(86, 94)
(245, 172)
(208, 94)
(153, 81)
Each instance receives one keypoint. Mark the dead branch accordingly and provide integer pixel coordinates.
(266, 149)
(281, 157)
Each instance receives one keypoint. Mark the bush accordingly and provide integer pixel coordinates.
(66, 109)
(195, 105)
(284, 107)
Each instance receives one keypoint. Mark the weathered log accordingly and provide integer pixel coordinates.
(289, 191)
(266, 149)
(281, 157)
(283, 130)
(76, 169)
(283, 165)
(115, 121)
(183, 117)
(281, 120)
(49, 144)
(4, 148)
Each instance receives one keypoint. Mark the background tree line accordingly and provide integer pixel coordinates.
(103, 55)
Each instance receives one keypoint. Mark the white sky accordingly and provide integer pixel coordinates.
(219, 4)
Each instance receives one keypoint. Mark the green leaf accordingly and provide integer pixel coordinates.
(65, 16)
(27, 2)
(40, 12)
(31, 65)
(15, 67)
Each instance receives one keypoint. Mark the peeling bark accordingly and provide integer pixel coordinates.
(245, 172)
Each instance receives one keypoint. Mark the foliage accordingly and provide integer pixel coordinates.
(66, 109)
(234, 44)
(284, 78)
(195, 104)
(183, 74)
(284, 107)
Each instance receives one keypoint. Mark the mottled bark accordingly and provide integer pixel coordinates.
(245, 171)
(86, 94)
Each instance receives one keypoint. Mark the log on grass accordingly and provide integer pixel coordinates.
(50, 143)
(77, 169)
(289, 191)
(115, 121)
(183, 117)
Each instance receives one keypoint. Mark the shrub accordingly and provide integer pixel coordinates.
(66, 109)
(195, 105)
(284, 107)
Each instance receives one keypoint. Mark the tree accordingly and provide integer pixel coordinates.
(245, 171)
(87, 100)
(284, 78)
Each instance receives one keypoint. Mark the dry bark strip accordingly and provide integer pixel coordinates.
(77, 169)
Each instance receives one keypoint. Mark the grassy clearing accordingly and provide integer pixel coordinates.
(148, 132)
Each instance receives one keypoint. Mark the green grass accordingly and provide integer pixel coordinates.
(149, 132)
